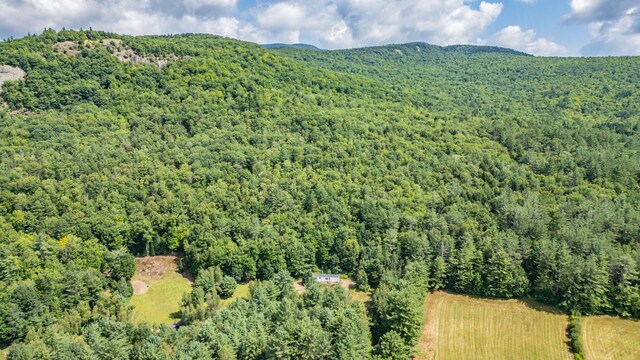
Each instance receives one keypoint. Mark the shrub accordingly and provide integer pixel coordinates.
(227, 287)
(575, 341)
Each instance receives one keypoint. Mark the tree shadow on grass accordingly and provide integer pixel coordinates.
(176, 315)
(527, 301)
(4, 350)
(536, 305)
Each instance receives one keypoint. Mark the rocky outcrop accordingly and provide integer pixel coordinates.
(115, 46)
(9, 73)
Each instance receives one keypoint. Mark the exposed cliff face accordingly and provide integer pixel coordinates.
(115, 46)
(9, 73)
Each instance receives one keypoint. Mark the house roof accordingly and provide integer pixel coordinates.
(325, 275)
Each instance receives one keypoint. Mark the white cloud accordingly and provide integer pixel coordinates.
(440, 22)
(464, 23)
(318, 22)
(283, 16)
(17, 17)
(346, 23)
(614, 26)
(32, 16)
(598, 10)
(328, 23)
(202, 9)
(339, 36)
(526, 40)
(616, 37)
(216, 3)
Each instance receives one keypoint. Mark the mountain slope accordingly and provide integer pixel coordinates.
(539, 108)
(478, 170)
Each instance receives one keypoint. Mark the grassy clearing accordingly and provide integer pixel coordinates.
(361, 296)
(159, 302)
(158, 289)
(464, 327)
(354, 294)
(242, 292)
(610, 338)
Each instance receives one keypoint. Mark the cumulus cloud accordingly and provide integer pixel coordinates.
(318, 22)
(346, 23)
(22, 16)
(440, 22)
(17, 17)
(599, 10)
(283, 16)
(614, 26)
(526, 40)
(328, 23)
(202, 9)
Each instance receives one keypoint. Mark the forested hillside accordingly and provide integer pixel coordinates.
(407, 167)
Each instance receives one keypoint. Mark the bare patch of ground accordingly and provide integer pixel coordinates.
(119, 50)
(10, 73)
(430, 328)
(69, 48)
(154, 267)
(300, 289)
(347, 284)
(139, 287)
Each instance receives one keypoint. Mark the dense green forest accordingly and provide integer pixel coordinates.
(407, 167)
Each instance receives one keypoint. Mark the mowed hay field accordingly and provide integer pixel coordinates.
(464, 327)
(157, 290)
(610, 338)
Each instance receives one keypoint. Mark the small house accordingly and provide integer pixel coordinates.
(326, 278)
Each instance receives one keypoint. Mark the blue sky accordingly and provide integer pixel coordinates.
(547, 19)
(540, 27)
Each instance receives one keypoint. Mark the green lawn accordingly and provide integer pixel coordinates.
(464, 327)
(241, 292)
(610, 338)
(161, 303)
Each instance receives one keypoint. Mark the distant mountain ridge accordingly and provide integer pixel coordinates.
(478, 49)
(464, 49)
(296, 46)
